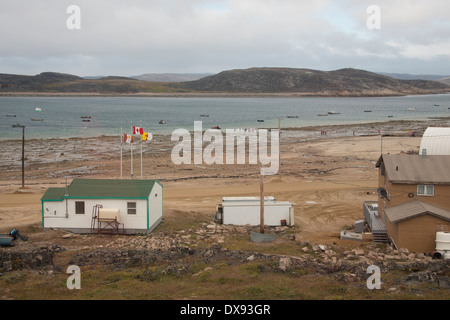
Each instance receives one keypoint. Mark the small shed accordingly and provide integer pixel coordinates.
(247, 210)
(435, 141)
(104, 205)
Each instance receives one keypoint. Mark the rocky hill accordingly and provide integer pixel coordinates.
(343, 82)
(445, 81)
(171, 77)
(254, 81)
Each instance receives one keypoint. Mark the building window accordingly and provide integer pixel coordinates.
(131, 207)
(425, 190)
(79, 207)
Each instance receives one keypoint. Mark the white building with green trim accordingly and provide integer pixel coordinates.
(138, 204)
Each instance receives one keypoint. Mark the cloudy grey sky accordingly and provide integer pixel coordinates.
(133, 37)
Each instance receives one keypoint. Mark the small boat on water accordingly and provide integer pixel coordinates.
(322, 115)
(390, 116)
(38, 109)
(260, 120)
(292, 117)
(17, 125)
(86, 120)
(37, 119)
(367, 110)
(216, 127)
(204, 115)
(162, 122)
(411, 109)
(11, 115)
(85, 117)
(333, 112)
(436, 105)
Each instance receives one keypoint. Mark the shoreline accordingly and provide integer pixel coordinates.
(216, 94)
(329, 127)
(50, 160)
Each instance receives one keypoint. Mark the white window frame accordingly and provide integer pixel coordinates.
(428, 190)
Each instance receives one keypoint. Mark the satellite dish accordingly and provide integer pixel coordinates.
(383, 193)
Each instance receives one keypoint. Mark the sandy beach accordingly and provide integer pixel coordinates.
(327, 177)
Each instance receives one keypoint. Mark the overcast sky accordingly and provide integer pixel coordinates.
(133, 37)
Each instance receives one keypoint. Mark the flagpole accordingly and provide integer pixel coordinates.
(121, 147)
(140, 125)
(131, 152)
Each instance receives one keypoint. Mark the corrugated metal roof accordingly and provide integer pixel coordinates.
(413, 209)
(102, 188)
(416, 169)
(54, 194)
(436, 141)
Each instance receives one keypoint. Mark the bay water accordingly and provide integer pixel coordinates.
(70, 117)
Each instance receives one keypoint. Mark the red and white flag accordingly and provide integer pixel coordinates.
(128, 138)
(138, 130)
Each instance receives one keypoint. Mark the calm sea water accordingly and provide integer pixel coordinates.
(60, 117)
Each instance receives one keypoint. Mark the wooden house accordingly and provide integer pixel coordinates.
(414, 199)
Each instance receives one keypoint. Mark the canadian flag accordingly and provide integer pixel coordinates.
(138, 130)
(128, 138)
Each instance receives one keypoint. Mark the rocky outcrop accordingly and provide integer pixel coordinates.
(180, 253)
(40, 257)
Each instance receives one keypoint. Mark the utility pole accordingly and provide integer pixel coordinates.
(261, 221)
(23, 156)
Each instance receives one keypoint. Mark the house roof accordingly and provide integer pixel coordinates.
(102, 189)
(414, 209)
(54, 194)
(414, 169)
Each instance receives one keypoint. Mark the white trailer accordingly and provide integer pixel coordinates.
(247, 210)
(101, 205)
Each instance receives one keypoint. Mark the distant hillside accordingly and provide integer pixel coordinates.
(254, 81)
(445, 81)
(407, 76)
(344, 82)
(50, 82)
(171, 77)
(12, 82)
